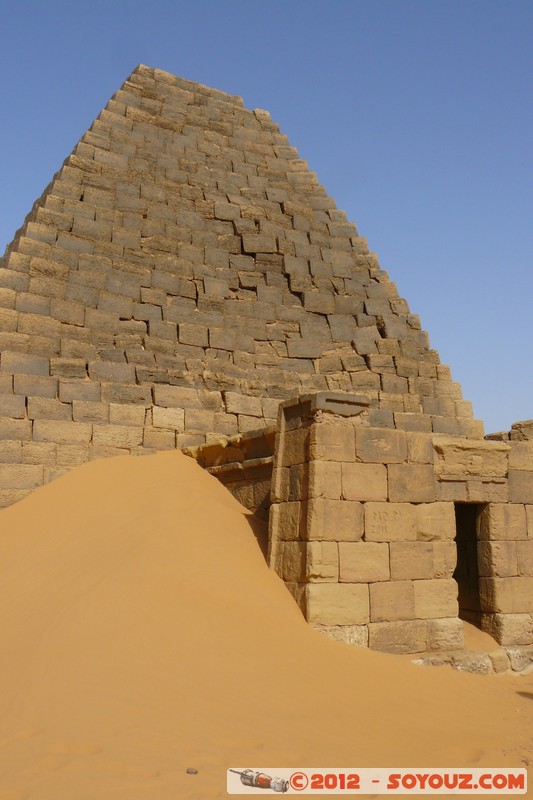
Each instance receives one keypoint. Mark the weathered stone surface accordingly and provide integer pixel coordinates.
(332, 442)
(509, 629)
(325, 480)
(408, 636)
(520, 658)
(392, 600)
(498, 559)
(390, 522)
(355, 635)
(337, 603)
(465, 457)
(520, 486)
(507, 595)
(364, 481)
(334, 520)
(445, 634)
(410, 560)
(503, 522)
(411, 483)
(60, 431)
(521, 456)
(435, 598)
(363, 562)
(322, 561)
(381, 446)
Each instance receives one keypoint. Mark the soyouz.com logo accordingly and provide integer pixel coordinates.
(350, 781)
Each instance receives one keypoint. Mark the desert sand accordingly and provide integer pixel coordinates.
(143, 634)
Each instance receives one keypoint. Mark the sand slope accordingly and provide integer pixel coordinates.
(142, 633)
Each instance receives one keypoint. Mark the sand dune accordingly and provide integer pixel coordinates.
(142, 634)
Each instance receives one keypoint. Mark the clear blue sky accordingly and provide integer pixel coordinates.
(416, 115)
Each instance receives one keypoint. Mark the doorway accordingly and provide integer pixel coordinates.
(467, 570)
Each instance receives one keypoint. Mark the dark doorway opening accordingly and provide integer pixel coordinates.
(467, 570)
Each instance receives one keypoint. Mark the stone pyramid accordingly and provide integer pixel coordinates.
(182, 274)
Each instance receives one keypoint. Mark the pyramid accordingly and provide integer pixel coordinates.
(182, 274)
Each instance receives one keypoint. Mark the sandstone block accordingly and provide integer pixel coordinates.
(196, 335)
(176, 397)
(435, 521)
(354, 635)
(303, 348)
(524, 558)
(126, 393)
(24, 363)
(410, 560)
(503, 522)
(159, 439)
(71, 455)
(398, 637)
(294, 447)
(48, 408)
(392, 600)
(259, 243)
(111, 371)
(83, 390)
(520, 486)
(292, 561)
(411, 483)
(507, 595)
(380, 445)
(444, 559)
(497, 559)
(83, 411)
(334, 520)
(325, 480)
(126, 414)
(364, 481)
(122, 436)
(319, 302)
(363, 562)
(435, 598)
(521, 456)
(452, 490)
(169, 418)
(242, 404)
(322, 561)
(390, 522)
(509, 629)
(61, 431)
(500, 661)
(466, 457)
(491, 491)
(10, 452)
(200, 420)
(419, 448)
(330, 442)
(445, 634)
(520, 658)
(21, 476)
(39, 453)
(68, 367)
(285, 520)
(337, 603)
(12, 405)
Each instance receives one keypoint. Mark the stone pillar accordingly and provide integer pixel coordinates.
(506, 552)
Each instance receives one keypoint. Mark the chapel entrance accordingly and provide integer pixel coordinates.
(467, 570)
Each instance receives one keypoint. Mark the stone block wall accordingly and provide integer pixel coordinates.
(363, 529)
(243, 464)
